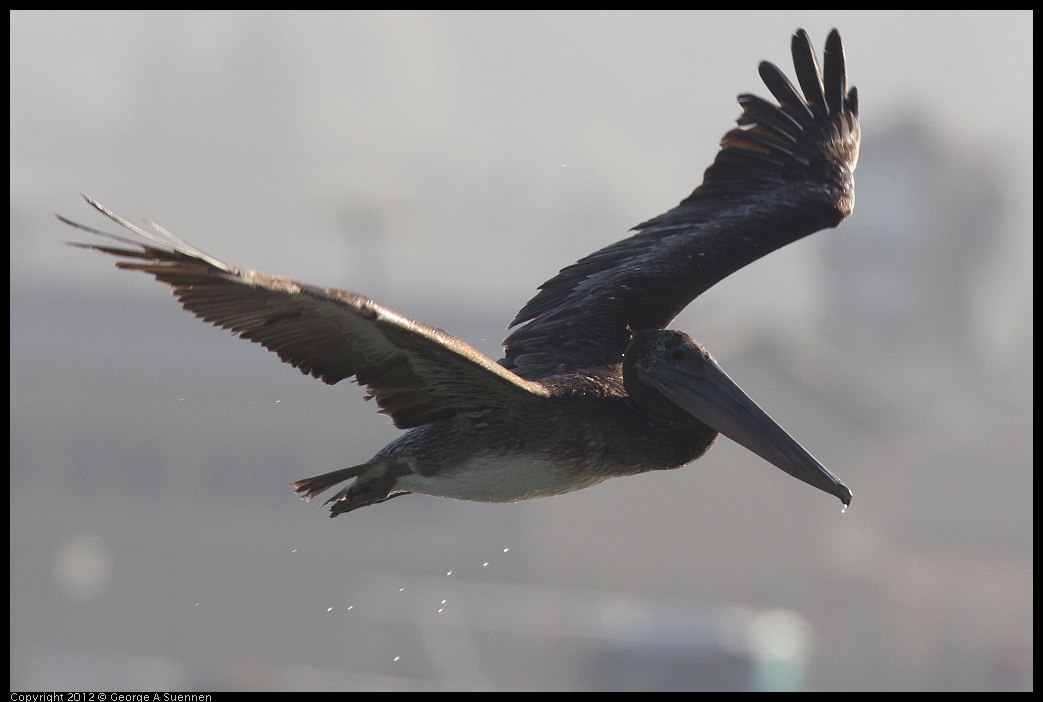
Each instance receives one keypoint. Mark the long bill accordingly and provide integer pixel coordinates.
(705, 391)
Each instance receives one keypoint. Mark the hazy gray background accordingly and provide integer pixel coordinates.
(446, 164)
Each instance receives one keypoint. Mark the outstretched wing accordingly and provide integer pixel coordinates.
(417, 373)
(784, 173)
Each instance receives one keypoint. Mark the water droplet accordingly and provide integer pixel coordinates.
(506, 550)
(443, 601)
(843, 509)
(329, 609)
(449, 573)
(439, 610)
(396, 658)
(485, 564)
(351, 606)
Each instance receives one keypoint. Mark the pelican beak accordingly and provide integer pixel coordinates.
(700, 387)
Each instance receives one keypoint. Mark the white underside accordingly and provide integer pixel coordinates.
(482, 479)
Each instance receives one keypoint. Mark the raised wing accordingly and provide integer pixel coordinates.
(417, 373)
(784, 173)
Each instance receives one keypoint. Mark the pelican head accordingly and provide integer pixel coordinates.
(670, 373)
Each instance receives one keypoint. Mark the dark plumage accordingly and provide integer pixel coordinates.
(591, 385)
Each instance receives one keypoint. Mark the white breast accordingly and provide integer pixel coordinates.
(488, 479)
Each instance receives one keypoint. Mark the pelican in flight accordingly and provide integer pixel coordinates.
(592, 385)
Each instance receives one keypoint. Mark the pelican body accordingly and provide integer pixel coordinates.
(592, 385)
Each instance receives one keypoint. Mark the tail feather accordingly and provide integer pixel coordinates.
(375, 482)
(310, 487)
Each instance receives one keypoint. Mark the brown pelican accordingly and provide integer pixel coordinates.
(591, 385)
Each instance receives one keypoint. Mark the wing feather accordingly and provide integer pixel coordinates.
(784, 173)
(416, 373)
